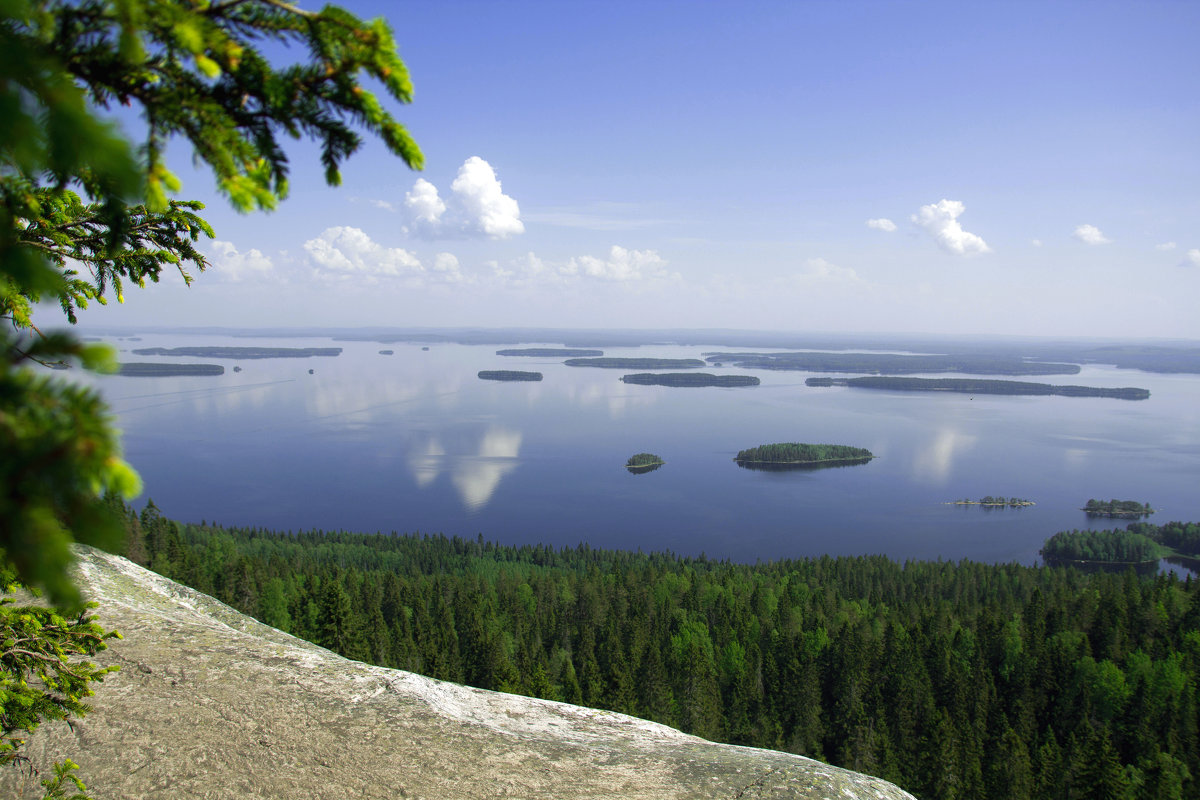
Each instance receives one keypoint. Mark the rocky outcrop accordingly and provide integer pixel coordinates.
(212, 704)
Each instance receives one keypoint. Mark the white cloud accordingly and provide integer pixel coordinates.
(940, 220)
(235, 266)
(347, 252)
(882, 224)
(820, 269)
(1036, 242)
(446, 267)
(622, 265)
(1192, 259)
(1165, 246)
(1090, 234)
(477, 206)
(423, 202)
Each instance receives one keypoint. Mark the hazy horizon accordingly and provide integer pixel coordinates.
(931, 169)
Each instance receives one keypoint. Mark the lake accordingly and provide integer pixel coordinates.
(415, 442)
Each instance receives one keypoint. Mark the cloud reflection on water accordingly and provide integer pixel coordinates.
(475, 476)
(934, 462)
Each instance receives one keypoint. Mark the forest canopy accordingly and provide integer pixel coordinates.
(801, 453)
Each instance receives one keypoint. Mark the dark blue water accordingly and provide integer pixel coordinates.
(415, 442)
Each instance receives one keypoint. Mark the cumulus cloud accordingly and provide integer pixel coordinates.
(236, 266)
(882, 224)
(820, 269)
(1165, 246)
(940, 220)
(621, 265)
(1192, 259)
(349, 252)
(476, 206)
(1090, 234)
(423, 202)
(446, 267)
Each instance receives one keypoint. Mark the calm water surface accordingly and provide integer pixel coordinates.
(414, 442)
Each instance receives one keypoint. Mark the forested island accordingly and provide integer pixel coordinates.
(643, 462)
(1017, 682)
(894, 363)
(980, 386)
(989, 500)
(1129, 509)
(150, 369)
(689, 379)
(797, 454)
(635, 363)
(551, 352)
(508, 375)
(240, 352)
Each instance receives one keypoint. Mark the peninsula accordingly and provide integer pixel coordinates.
(980, 386)
(894, 363)
(636, 363)
(550, 352)
(240, 352)
(150, 369)
(508, 375)
(796, 454)
(689, 379)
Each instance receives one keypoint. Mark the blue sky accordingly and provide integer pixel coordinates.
(1005, 167)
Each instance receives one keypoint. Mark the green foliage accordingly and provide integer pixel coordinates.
(1123, 547)
(84, 214)
(45, 675)
(953, 680)
(795, 453)
(643, 460)
(1117, 508)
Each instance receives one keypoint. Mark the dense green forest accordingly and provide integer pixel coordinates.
(894, 363)
(689, 379)
(802, 453)
(150, 369)
(644, 460)
(641, 463)
(1124, 547)
(1117, 508)
(952, 680)
(508, 375)
(981, 386)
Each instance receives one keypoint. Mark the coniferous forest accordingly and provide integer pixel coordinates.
(953, 680)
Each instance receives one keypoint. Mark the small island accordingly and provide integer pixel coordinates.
(994, 502)
(240, 352)
(689, 379)
(551, 352)
(386, 352)
(796, 455)
(635, 363)
(150, 369)
(642, 463)
(1120, 509)
(508, 375)
(980, 386)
